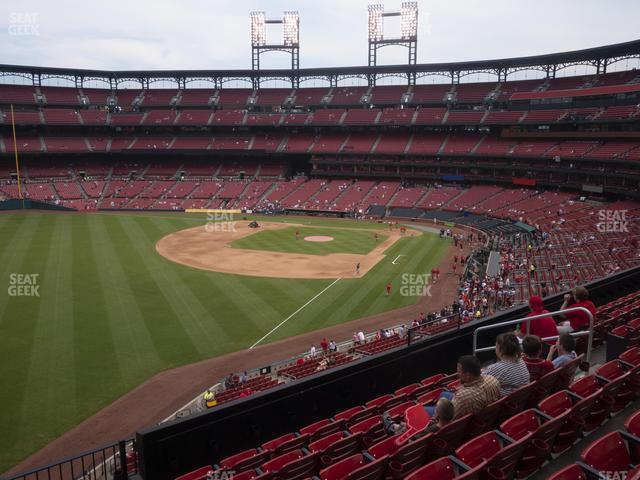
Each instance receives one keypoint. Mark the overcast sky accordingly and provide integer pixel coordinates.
(185, 34)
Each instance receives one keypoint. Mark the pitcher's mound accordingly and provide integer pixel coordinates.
(318, 238)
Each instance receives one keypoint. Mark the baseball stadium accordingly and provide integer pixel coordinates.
(415, 270)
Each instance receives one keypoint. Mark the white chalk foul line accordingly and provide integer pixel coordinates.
(290, 316)
(394, 262)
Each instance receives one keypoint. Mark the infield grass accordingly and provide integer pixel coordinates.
(111, 312)
(358, 241)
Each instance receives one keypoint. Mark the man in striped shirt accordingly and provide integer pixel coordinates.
(510, 370)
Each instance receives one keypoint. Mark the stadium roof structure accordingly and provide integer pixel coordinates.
(598, 57)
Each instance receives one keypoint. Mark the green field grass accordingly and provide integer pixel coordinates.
(111, 312)
(358, 241)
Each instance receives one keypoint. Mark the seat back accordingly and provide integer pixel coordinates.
(441, 469)
(521, 425)
(299, 468)
(506, 460)
(631, 355)
(486, 418)
(198, 474)
(388, 446)
(544, 386)
(275, 464)
(567, 372)
(611, 370)
(449, 437)
(230, 462)
(517, 400)
(571, 472)
(608, 453)
(376, 402)
(347, 414)
(479, 449)
(411, 455)
(431, 396)
(325, 442)
(343, 448)
(433, 380)
(341, 469)
(586, 386)
(253, 461)
(375, 470)
(556, 404)
(632, 424)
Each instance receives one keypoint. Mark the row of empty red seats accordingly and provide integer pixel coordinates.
(361, 116)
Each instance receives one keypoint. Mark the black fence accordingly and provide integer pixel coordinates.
(112, 462)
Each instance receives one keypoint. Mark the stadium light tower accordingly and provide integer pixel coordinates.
(408, 32)
(290, 22)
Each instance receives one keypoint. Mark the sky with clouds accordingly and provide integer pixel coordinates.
(186, 34)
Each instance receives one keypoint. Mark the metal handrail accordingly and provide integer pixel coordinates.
(528, 320)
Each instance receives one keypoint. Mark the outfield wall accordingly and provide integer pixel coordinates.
(172, 449)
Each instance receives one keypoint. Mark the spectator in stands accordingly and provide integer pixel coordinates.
(577, 321)
(324, 345)
(333, 347)
(476, 390)
(229, 382)
(531, 355)
(542, 327)
(565, 350)
(510, 369)
(244, 378)
(209, 399)
(443, 414)
(312, 351)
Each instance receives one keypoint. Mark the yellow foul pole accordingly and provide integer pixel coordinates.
(15, 149)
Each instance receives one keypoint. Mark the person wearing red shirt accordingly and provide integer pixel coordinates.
(324, 345)
(531, 352)
(542, 327)
(577, 321)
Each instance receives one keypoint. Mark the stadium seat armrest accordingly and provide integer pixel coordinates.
(626, 364)
(575, 396)
(305, 450)
(463, 466)
(591, 472)
(540, 413)
(504, 437)
(630, 437)
(366, 455)
(602, 379)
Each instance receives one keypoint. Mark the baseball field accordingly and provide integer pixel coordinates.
(94, 304)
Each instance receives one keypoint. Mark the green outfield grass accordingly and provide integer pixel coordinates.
(111, 312)
(358, 241)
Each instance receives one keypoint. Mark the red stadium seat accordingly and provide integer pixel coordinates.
(450, 437)
(614, 370)
(515, 402)
(446, 468)
(356, 468)
(573, 410)
(294, 465)
(591, 385)
(567, 372)
(245, 460)
(486, 419)
(499, 456)
(347, 414)
(611, 453)
(632, 424)
(430, 397)
(542, 433)
(410, 456)
(631, 356)
(544, 386)
(571, 472)
(322, 428)
(199, 474)
(338, 448)
(285, 443)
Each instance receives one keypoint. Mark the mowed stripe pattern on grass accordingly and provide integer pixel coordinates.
(285, 240)
(112, 312)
